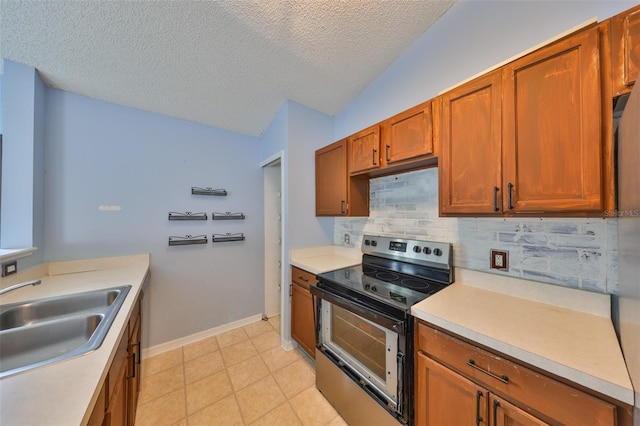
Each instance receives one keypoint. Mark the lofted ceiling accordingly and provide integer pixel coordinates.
(228, 63)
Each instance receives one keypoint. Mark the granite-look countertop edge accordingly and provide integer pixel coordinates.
(500, 322)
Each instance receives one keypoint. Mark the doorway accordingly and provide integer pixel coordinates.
(272, 238)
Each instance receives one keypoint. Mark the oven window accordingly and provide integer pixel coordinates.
(370, 350)
(360, 339)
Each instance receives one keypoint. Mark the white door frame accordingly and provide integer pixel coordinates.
(285, 312)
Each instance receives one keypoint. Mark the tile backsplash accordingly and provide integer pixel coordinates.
(572, 252)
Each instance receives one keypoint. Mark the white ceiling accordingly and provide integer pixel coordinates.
(227, 63)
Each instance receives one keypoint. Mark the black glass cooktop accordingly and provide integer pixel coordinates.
(389, 287)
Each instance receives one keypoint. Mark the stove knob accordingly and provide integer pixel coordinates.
(417, 249)
(367, 242)
(374, 243)
(426, 250)
(367, 286)
(437, 252)
(374, 289)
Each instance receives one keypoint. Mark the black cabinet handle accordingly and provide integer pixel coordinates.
(504, 379)
(386, 155)
(303, 278)
(133, 366)
(495, 198)
(478, 417)
(373, 157)
(496, 404)
(342, 207)
(510, 189)
(139, 353)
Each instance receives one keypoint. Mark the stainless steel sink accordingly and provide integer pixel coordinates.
(44, 331)
(26, 313)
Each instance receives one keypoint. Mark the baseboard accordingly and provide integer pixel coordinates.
(173, 344)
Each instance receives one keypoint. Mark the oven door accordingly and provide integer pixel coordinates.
(365, 344)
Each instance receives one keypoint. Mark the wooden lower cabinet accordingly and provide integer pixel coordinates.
(116, 414)
(118, 399)
(302, 310)
(505, 413)
(134, 365)
(99, 409)
(458, 383)
(446, 397)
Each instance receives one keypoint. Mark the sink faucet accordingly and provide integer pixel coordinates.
(17, 286)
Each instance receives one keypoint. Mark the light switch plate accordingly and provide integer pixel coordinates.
(500, 260)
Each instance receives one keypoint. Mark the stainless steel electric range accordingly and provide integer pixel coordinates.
(364, 329)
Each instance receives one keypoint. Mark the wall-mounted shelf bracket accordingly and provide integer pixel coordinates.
(227, 216)
(208, 191)
(187, 216)
(219, 238)
(187, 240)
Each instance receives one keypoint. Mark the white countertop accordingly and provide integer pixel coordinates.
(64, 393)
(565, 331)
(324, 259)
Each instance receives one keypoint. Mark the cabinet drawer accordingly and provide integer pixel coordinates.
(546, 397)
(302, 277)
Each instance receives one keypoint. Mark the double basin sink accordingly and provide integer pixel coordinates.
(43, 331)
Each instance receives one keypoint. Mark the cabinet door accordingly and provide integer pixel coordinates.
(364, 150)
(409, 134)
(625, 50)
(97, 415)
(471, 147)
(116, 414)
(444, 397)
(552, 153)
(302, 319)
(134, 373)
(331, 179)
(504, 413)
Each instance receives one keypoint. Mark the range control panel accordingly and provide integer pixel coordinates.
(412, 251)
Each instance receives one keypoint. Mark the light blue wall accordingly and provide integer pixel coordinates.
(309, 130)
(103, 154)
(23, 177)
(471, 37)
(1, 102)
(39, 172)
(298, 131)
(276, 137)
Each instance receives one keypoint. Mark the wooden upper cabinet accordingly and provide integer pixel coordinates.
(331, 179)
(409, 134)
(552, 142)
(337, 194)
(625, 50)
(364, 150)
(470, 166)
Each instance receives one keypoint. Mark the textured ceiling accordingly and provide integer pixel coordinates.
(227, 63)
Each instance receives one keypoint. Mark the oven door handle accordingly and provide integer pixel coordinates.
(376, 317)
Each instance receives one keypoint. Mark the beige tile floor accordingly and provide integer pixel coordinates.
(241, 377)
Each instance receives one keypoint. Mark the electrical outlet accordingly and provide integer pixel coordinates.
(347, 239)
(500, 260)
(9, 268)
